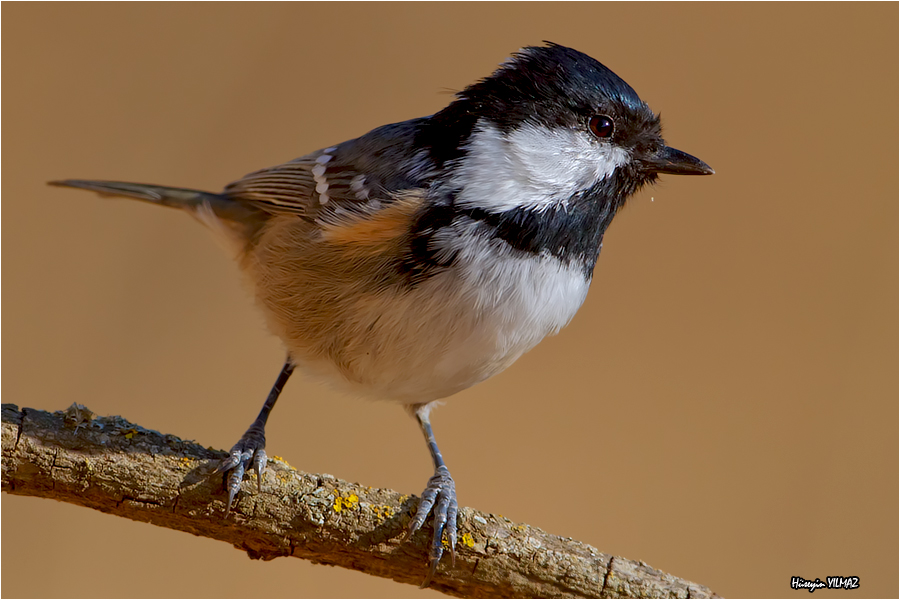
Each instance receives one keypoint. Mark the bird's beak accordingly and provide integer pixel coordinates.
(676, 162)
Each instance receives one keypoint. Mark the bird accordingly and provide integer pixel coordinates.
(425, 256)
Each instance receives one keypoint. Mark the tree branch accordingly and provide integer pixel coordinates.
(113, 466)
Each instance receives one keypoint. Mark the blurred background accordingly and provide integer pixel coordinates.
(724, 407)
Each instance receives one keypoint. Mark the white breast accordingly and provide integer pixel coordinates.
(458, 327)
(516, 299)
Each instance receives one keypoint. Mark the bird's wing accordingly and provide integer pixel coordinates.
(361, 174)
(303, 186)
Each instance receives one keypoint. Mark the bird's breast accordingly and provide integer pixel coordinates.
(345, 316)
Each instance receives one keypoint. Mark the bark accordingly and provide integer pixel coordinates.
(116, 467)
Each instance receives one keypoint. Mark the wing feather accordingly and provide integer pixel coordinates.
(358, 175)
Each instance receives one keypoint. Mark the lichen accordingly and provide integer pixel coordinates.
(382, 512)
(342, 503)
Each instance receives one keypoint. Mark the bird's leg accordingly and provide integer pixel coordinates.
(251, 446)
(440, 495)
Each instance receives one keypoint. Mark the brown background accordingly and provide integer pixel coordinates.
(724, 406)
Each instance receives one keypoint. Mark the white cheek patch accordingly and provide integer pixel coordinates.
(565, 158)
(533, 168)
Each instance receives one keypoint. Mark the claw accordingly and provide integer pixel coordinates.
(440, 495)
(259, 465)
(252, 445)
(428, 497)
(234, 484)
(452, 511)
(431, 572)
(246, 454)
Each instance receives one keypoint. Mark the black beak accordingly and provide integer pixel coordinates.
(676, 162)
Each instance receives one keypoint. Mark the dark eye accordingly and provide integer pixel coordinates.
(601, 126)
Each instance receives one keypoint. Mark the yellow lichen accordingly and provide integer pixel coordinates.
(345, 502)
(468, 540)
(382, 512)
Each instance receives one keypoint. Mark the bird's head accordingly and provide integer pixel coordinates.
(559, 123)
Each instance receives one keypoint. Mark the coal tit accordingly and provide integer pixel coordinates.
(425, 256)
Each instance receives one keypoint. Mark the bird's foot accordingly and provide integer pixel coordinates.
(248, 452)
(440, 495)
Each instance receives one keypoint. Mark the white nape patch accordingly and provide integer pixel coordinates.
(533, 168)
(318, 173)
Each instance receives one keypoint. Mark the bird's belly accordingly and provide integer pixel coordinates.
(422, 343)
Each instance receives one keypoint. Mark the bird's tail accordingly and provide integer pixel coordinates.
(157, 194)
(237, 220)
(193, 201)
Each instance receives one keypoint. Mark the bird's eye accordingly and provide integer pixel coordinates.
(601, 126)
